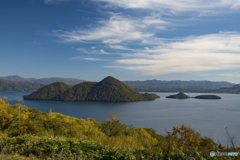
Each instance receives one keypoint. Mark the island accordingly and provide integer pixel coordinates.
(108, 90)
(180, 95)
(208, 97)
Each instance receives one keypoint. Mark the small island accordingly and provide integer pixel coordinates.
(208, 97)
(108, 90)
(180, 95)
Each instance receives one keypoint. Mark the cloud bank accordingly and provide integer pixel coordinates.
(206, 6)
(200, 53)
(115, 30)
(230, 75)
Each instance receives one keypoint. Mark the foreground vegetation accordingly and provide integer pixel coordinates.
(28, 132)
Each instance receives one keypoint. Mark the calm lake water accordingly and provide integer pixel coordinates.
(208, 117)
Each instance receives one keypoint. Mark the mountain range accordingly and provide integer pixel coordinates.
(178, 86)
(11, 86)
(141, 86)
(69, 81)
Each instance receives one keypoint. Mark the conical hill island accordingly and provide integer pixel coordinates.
(108, 90)
(180, 95)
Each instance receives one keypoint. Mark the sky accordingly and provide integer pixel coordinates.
(126, 39)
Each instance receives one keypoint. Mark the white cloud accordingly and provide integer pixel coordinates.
(203, 53)
(115, 30)
(87, 58)
(102, 51)
(54, 1)
(91, 51)
(207, 6)
(93, 59)
(230, 75)
(119, 47)
(78, 57)
(82, 50)
(154, 19)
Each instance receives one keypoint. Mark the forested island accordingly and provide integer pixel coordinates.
(109, 89)
(180, 95)
(208, 97)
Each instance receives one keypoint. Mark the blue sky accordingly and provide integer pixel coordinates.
(127, 39)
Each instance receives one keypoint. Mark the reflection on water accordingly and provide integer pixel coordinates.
(209, 117)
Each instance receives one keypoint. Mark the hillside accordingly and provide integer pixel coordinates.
(109, 89)
(9, 86)
(178, 96)
(69, 81)
(78, 92)
(48, 92)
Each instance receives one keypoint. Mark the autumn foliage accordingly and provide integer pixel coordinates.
(27, 131)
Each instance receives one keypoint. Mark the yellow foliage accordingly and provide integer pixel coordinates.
(185, 136)
(19, 120)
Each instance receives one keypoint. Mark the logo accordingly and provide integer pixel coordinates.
(212, 154)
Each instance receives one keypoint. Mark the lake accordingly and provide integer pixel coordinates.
(208, 117)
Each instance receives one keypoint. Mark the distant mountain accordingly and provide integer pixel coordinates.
(69, 81)
(48, 92)
(234, 89)
(10, 86)
(177, 86)
(180, 95)
(109, 89)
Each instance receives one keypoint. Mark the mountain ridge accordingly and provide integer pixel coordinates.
(69, 81)
(11, 86)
